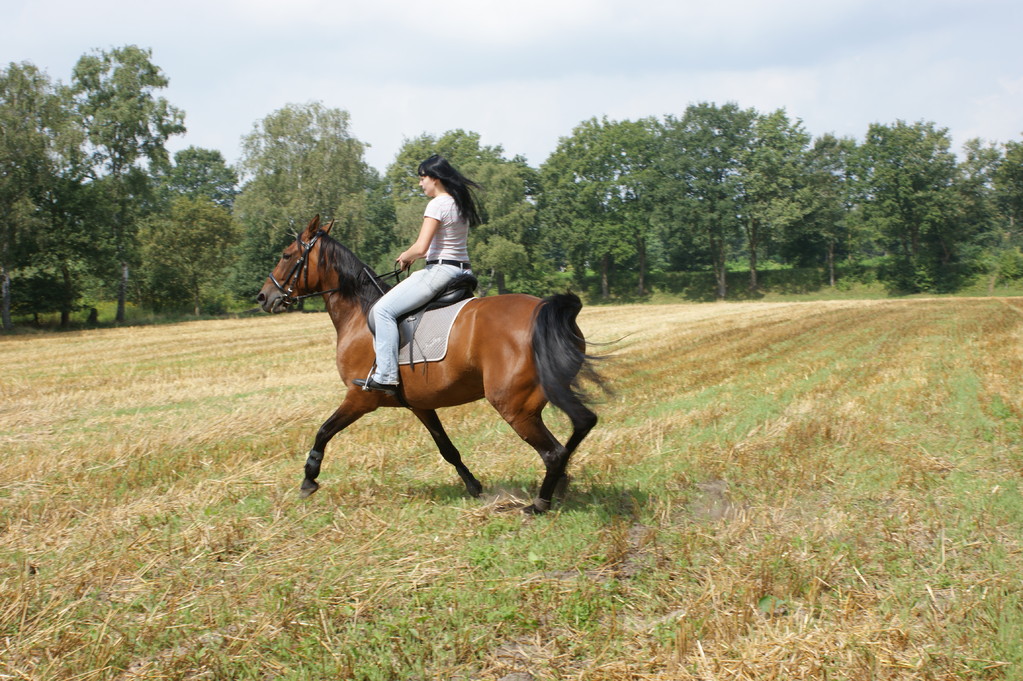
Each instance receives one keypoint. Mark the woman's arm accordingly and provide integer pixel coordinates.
(422, 244)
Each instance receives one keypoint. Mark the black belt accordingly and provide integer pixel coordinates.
(456, 263)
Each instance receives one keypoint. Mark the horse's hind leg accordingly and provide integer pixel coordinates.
(448, 450)
(583, 421)
(531, 428)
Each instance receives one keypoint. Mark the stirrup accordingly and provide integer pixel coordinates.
(368, 384)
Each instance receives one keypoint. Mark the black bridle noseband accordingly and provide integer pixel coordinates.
(286, 288)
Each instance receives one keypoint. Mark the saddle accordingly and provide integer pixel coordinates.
(461, 288)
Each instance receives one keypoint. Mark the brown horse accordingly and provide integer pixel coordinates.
(518, 351)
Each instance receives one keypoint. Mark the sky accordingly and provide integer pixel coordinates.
(522, 74)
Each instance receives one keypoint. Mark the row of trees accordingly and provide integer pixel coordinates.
(722, 183)
(92, 207)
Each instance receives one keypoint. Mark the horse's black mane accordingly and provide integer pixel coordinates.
(355, 278)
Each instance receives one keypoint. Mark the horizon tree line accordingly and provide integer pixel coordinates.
(92, 206)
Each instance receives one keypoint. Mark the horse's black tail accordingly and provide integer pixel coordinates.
(559, 352)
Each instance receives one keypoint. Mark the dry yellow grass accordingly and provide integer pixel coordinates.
(775, 491)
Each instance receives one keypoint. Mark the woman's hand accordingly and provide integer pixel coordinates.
(405, 261)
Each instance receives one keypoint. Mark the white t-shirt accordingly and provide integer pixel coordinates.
(451, 242)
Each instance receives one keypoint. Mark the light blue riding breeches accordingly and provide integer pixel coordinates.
(419, 289)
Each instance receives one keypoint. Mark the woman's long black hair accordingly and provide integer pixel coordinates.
(458, 185)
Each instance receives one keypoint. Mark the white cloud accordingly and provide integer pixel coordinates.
(523, 74)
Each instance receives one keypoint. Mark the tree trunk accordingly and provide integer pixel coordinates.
(5, 303)
(499, 281)
(641, 251)
(831, 262)
(65, 306)
(122, 292)
(720, 269)
(753, 270)
(752, 242)
(605, 284)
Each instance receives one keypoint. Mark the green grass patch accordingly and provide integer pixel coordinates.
(774, 490)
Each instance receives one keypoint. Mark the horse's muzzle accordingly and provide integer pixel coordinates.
(272, 301)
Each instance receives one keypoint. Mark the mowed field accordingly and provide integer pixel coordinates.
(826, 490)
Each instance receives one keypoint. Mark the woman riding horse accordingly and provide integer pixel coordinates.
(517, 351)
(443, 240)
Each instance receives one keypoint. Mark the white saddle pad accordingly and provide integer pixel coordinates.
(430, 342)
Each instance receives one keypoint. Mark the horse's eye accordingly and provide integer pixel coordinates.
(285, 256)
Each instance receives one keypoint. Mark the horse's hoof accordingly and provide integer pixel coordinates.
(562, 487)
(308, 488)
(538, 507)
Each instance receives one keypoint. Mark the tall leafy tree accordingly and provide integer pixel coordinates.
(505, 245)
(27, 111)
(1008, 185)
(1007, 180)
(186, 252)
(594, 194)
(977, 205)
(48, 212)
(700, 171)
(825, 229)
(127, 126)
(71, 248)
(187, 248)
(981, 213)
(299, 161)
(773, 193)
(906, 175)
(636, 146)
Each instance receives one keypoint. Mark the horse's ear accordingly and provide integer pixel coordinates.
(326, 228)
(314, 226)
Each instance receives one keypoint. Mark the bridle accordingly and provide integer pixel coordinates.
(286, 288)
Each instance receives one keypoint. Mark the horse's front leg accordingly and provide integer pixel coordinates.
(343, 417)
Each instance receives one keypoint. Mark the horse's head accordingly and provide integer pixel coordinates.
(297, 274)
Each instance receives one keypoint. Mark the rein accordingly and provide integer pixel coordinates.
(377, 278)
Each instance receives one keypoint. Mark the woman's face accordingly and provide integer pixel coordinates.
(431, 186)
